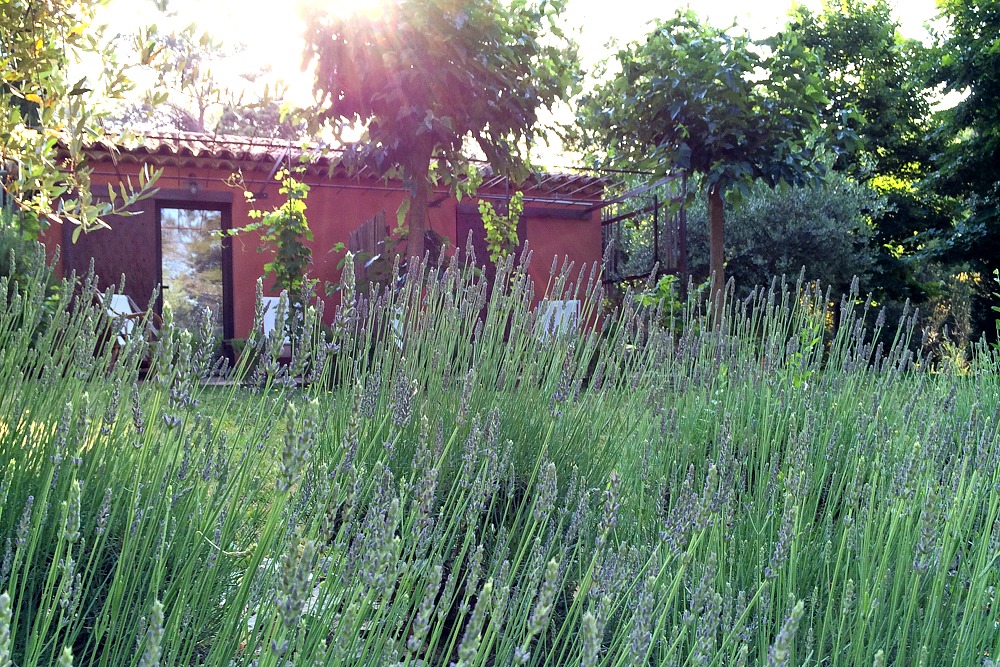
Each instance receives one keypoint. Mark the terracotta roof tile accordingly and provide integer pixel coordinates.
(192, 149)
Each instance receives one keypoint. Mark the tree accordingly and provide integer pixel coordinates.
(876, 84)
(878, 87)
(185, 88)
(262, 119)
(46, 119)
(426, 76)
(969, 167)
(701, 99)
(179, 61)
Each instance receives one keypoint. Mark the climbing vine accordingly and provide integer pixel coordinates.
(285, 231)
(501, 229)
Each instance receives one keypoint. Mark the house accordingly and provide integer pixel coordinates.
(169, 241)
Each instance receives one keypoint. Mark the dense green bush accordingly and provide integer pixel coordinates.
(23, 261)
(18, 234)
(778, 231)
(486, 494)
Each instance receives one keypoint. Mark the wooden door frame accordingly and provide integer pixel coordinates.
(202, 201)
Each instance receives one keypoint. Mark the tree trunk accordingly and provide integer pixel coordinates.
(416, 216)
(717, 254)
(716, 222)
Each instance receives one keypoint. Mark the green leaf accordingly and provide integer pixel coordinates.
(401, 212)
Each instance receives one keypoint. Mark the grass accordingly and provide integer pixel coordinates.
(765, 490)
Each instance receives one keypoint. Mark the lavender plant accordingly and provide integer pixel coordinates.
(443, 486)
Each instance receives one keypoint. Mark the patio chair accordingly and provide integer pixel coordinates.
(557, 318)
(269, 323)
(121, 309)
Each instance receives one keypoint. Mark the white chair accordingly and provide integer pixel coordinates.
(269, 318)
(269, 324)
(558, 317)
(121, 309)
(398, 327)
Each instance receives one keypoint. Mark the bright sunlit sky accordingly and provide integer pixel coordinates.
(271, 30)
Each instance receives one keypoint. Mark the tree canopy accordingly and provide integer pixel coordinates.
(878, 86)
(427, 77)
(875, 81)
(714, 102)
(180, 63)
(969, 167)
(46, 118)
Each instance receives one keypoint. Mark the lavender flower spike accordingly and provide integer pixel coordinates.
(780, 653)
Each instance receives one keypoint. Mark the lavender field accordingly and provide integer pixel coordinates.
(770, 489)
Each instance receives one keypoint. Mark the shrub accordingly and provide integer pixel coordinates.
(774, 232)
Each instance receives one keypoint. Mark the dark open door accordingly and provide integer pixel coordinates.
(129, 247)
(196, 269)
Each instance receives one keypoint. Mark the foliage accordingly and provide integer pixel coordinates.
(825, 229)
(664, 296)
(486, 496)
(969, 168)
(46, 119)
(185, 87)
(698, 98)
(261, 119)
(878, 87)
(904, 235)
(285, 232)
(178, 64)
(953, 315)
(18, 252)
(501, 230)
(426, 78)
(23, 260)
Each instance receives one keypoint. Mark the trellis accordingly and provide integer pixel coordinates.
(644, 231)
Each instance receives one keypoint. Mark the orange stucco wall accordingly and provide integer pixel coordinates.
(335, 207)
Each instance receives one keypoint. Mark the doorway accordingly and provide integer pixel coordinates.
(195, 265)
